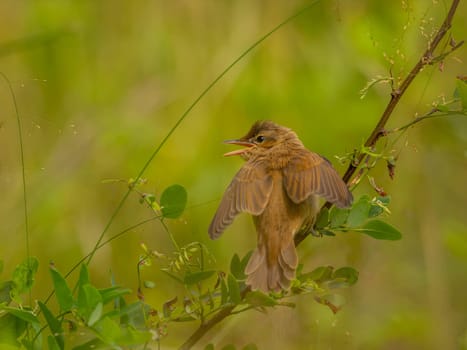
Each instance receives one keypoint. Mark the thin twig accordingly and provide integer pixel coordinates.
(426, 59)
(206, 326)
(23, 175)
(430, 114)
(396, 94)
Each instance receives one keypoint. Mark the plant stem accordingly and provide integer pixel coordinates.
(396, 94)
(23, 173)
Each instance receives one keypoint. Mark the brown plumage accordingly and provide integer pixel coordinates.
(279, 185)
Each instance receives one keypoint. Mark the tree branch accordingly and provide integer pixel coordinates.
(198, 334)
(378, 131)
(396, 94)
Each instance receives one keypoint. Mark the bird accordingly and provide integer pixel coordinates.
(279, 185)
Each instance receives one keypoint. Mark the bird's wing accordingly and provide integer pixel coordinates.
(248, 192)
(308, 173)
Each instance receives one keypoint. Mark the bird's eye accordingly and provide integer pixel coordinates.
(259, 139)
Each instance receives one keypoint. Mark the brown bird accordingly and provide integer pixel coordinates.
(279, 185)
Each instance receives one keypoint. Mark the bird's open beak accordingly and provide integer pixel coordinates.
(239, 151)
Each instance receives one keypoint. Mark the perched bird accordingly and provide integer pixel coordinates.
(279, 186)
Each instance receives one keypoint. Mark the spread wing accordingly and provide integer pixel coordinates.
(308, 173)
(248, 192)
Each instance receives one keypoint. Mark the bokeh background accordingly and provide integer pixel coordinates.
(99, 84)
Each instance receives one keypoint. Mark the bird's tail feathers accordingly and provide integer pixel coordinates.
(265, 276)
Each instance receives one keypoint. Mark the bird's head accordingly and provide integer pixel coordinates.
(262, 136)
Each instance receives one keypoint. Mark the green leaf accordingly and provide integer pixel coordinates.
(132, 336)
(442, 107)
(378, 205)
(108, 330)
(250, 346)
(245, 261)
(196, 277)
(95, 314)
(62, 291)
(83, 275)
(234, 289)
(209, 347)
(359, 212)
(338, 217)
(55, 327)
(323, 219)
(11, 328)
(461, 92)
(88, 299)
(380, 230)
(5, 291)
(135, 314)
(236, 267)
(1, 266)
(320, 274)
(224, 292)
(112, 293)
(23, 277)
(23, 314)
(348, 273)
(173, 201)
(259, 299)
(52, 343)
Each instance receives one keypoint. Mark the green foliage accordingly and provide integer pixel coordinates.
(62, 291)
(23, 278)
(380, 230)
(359, 218)
(96, 311)
(88, 316)
(173, 201)
(104, 316)
(461, 94)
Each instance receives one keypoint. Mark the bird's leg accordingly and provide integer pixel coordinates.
(308, 228)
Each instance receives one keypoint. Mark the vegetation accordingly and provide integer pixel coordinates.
(101, 117)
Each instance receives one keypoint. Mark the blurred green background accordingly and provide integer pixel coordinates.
(100, 83)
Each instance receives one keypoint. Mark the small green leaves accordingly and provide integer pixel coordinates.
(173, 201)
(113, 293)
(323, 218)
(259, 299)
(359, 212)
(23, 277)
(461, 92)
(54, 325)
(320, 274)
(338, 217)
(380, 230)
(378, 206)
(224, 292)
(357, 219)
(237, 266)
(349, 274)
(323, 282)
(234, 289)
(62, 291)
(196, 277)
(89, 299)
